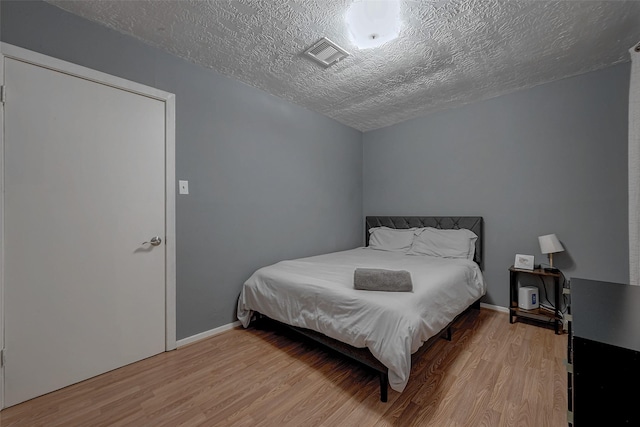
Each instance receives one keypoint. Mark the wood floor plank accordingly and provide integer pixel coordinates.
(492, 373)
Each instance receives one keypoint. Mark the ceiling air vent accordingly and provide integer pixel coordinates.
(326, 52)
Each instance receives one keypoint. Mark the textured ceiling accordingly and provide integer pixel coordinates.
(449, 52)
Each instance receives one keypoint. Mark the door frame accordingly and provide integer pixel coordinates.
(34, 58)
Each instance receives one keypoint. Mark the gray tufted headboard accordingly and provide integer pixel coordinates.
(473, 223)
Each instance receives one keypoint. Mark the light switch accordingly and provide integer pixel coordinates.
(183, 187)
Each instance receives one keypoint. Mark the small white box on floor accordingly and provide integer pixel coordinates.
(528, 298)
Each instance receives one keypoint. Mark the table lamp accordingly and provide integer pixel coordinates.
(550, 244)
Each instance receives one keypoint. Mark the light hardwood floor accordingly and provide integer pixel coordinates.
(491, 374)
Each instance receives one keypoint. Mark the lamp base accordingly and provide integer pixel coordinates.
(551, 270)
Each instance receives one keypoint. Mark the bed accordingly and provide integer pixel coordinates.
(381, 330)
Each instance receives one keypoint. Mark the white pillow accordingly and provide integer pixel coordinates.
(391, 239)
(444, 243)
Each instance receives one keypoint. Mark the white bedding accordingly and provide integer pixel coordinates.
(317, 293)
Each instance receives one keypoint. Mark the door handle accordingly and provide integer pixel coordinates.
(155, 241)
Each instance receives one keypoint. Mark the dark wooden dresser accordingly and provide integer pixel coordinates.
(604, 354)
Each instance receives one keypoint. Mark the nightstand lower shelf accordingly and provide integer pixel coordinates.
(541, 314)
(538, 314)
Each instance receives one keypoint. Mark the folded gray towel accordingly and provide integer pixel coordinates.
(375, 279)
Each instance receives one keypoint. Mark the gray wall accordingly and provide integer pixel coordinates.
(268, 179)
(552, 159)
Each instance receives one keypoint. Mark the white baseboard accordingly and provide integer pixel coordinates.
(494, 307)
(207, 334)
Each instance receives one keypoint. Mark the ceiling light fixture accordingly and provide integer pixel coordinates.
(373, 22)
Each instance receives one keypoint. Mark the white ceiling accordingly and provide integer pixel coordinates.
(449, 52)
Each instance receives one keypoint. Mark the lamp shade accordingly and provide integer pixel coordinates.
(550, 244)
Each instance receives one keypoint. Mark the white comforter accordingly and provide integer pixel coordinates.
(317, 293)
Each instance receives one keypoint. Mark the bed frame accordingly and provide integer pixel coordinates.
(363, 355)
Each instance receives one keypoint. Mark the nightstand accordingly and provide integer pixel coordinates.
(538, 314)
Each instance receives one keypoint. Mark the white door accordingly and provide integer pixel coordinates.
(84, 173)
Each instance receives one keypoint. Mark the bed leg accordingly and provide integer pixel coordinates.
(384, 383)
(448, 334)
(257, 320)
